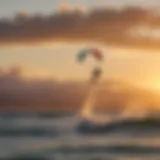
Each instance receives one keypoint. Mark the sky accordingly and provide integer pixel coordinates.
(35, 48)
(8, 8)
(58, 61)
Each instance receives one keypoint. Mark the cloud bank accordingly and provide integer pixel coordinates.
(109, 25)
(16, 92)
(19, 93)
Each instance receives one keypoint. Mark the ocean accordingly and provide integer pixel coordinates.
(57, 137)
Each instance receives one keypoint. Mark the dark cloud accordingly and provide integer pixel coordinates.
(19, 93)
(101, 25)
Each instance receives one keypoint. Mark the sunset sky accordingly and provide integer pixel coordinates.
(58, 61)
(51, 54)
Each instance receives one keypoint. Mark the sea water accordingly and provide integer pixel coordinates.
(56, 138)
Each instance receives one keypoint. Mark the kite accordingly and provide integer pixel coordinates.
(93, 52)
(97, 55)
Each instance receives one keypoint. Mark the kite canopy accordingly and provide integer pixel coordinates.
(82, 55)
(97, 54)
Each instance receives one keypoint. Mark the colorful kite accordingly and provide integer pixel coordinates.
(97, 55)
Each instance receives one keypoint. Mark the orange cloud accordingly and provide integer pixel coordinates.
(108, 25)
